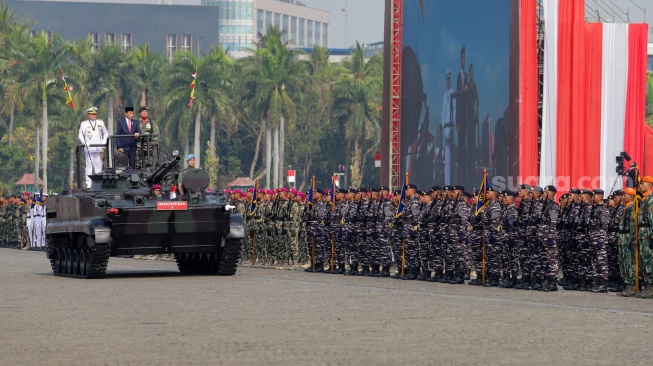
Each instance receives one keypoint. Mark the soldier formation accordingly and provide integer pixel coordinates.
(22, 221)
(519, 239)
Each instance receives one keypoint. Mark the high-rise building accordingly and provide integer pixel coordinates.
(241, 21)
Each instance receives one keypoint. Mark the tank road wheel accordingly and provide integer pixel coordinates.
(69, 261)
(81, 263)
(75, 262)
(227, 263)
(87, 260)
(56, 260)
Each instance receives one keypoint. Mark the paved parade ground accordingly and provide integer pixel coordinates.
(145, 313)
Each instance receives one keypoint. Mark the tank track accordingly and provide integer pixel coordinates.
(223, 262)
(92, 262)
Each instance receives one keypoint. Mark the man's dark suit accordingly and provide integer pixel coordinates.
(461, 125)
(128, 144)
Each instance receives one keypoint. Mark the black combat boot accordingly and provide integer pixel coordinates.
(600, 287)
(319, 267)
(459, 279)
(365, 271)
(410, 273)
(375, 271)
(478, 281)
(550, 284)
(424, 275)
(398, 276)
(385, 272)
(353, 269)
(524, 283)
(618, 287)
(536, 283)
(564, 281)
(572, 284)
(435, 277)
(493, 282)
(341, 268)
(467, 275)
(448, 276)
(585, 285)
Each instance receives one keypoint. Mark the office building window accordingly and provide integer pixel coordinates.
(318, 38)
(277, 21)
(309, 33)
(94, 41)
(259, 21)
(125, 42)
(33, 33)
(302, 31)
(187, 43)
(293, 30)
(171, 45)
(268, 21)
(325, 35)
(48, 35)
(110, 38)
(286, 31)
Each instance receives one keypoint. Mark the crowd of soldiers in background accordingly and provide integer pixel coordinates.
(22, 221)
(523, 239)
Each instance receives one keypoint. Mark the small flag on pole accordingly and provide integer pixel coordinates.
(66, 88)
(482, 192)
(310, 195)
(192, 90)
(252, 207)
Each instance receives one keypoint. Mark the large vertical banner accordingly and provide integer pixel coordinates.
(455, 91)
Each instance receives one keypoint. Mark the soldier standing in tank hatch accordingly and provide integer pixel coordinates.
(92, 132)
(151, 129)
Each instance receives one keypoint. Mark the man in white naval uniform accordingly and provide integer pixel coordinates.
(448, 116)
(92, 132)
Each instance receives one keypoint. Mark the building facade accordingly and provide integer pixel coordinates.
(165, 29)
(241, 22)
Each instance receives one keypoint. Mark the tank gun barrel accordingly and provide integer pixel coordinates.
(164, 169)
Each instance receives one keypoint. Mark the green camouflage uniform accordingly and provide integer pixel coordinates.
(294, 224)
(149, 128)
(627, 245)
(646, 239)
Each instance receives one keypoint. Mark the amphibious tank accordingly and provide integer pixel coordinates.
(119, 216)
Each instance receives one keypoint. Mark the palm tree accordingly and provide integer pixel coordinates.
(112, 73)
(274, 75)
(147, 69)
(358, 99)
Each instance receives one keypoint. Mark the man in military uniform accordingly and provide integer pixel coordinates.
(563, 239)
(616, 211)
(646, 236)
(372, 240)
(150, 129)
(435, 254)
(508, 235)
(585, 252)
(387, 212)
(626, 240)
(598, 234)
(92, 132)
(410, 218)
(572, 225)
(316, 232)
(426, 202)
(337, 224)
(475, 237)
(457, 227)
(491, 237)
(446, 245)
(190, 160)
(351, 233)
(525, 203)
(547, 240)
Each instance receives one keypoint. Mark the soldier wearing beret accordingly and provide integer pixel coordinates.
(387, 212)
(646, 235)
(627, 227)
(445, 253)
(525, 202)
(353, 202)
(616, 211)
(491, 237)
(338, 226)
(151, 129)
(457, 227)
(475, 235)
(547, 235)
(426, 202)
(597, 268)
(361, 228)
(316, 231)
(373, 252)
(508, 235)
